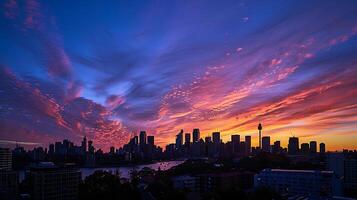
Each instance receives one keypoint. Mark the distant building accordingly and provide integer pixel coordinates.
(293, 146)
(84, 144)
(208, 139)
(322, 148)
(195, 135)
(142, 138)
(305, 148)
(187, 139)
(248, 144)
(151, 140)
(235, 143)
(266, 143)
(313, 147)
(276, 147)
(179, 139)
(49, 181)
(216, 137)
(314, 184)
(5, 159)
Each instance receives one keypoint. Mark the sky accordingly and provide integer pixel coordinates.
(108, 69)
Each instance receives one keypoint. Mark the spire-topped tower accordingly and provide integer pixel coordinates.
(260, 128)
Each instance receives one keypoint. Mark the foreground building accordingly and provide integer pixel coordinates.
(49, 182)
(314, 184)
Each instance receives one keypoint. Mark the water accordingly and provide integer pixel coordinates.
(124, 171)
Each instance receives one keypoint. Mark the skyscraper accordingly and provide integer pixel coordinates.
(187, 139)
(313, 147)
(208, 139)
(216, 137)
(260, 128)
(151, 140)
(235, 142)
(322, 148)
(84, 144)
(195, 135)
(293, 146)
(142, 138)
(276, 147)
(179, 139)
(266, 143)
(305, 148)
(248, 144)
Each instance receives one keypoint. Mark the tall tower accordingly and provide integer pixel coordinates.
(260, 128)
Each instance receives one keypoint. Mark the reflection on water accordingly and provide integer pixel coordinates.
(124, 171)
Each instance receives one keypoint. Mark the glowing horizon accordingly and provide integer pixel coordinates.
(109, 70)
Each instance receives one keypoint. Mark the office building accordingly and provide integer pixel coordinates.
(266, 143)
(151, 140)
(313, 147)
(315, 184)
(293, 146)
(322, 148)
(179, 139)
(305, 148)
(84, 144)
(195, 135)
(216, 137)
(335, 163)
(208, 139)
(187, 139)
(51, 182)
(235, 143)
(142, 138)
(248, 144)
(276, 147)
(5, 159)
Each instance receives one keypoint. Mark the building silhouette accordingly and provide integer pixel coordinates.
(195, 135)
(266, 143)
(293, 146)
(260, 128)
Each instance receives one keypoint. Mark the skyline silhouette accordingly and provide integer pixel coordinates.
(70, 69)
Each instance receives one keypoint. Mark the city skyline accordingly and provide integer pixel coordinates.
(109, 70)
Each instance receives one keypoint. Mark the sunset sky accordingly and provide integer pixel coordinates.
(110, 69)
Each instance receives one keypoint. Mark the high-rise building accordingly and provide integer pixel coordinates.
(313, 147)
(142, 138)
(84, 144)
(276, 147)
(90, 147)
(305, 148)
(293, 146)
(208, 139)
(151, 140)
(5, 159)
(248, 144)
(179, 139)
(51, 149)
(235, 142)
(187, 139)
(49, 181)
(260, 128)
(216, 137)
(195, 135)
(266, 143)
(112, 150)
(242, 148)
(322, 148)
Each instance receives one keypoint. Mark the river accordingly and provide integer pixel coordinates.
(124, 171)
